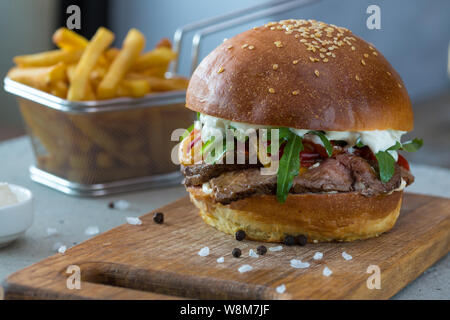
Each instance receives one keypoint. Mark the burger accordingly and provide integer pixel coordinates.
(315, 115)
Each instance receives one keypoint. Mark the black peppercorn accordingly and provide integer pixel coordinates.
(240, 235)
(158, 217)
(302, 240)
(261, 250)
(111, 205)
(236, 252)
(289, 240)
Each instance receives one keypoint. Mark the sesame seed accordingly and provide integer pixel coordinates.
(251, 47)
(322, 55)
(229, 47)
(312, 59)
(271, 90)
(363, 62)
(297, 36)
(244, 46)
(399, 85)
(303, 40)
(316, 72)
(388, 73)
(374, 53)
(323, 50)
(278, 44)
(325, 60)
(353, 48)
(295, 92)
(221, 69)
(295, 61)
(275, 66)
(366, 55)
(357, 78)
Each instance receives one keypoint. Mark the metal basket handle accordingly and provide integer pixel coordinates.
(229, 20)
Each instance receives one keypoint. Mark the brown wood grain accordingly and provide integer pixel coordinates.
(154, 261)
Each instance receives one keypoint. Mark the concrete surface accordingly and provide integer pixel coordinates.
(71, 216)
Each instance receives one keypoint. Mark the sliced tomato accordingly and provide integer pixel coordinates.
(403, 162)
(190, 151)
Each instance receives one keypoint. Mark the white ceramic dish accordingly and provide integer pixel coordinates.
(15, 219)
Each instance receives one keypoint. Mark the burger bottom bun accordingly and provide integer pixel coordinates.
(320, 217)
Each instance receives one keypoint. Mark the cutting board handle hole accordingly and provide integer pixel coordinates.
(169, 283)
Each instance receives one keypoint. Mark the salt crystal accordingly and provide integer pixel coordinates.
(253, 254)
(51, 231)
(281, 289)
(134, 221)
(62, 249)
(220, 260)
(56, 246)
(121, 204)
(327, 272)
(91, 230)
(277, 248)
(245, 268)
(298, 264)
(346, 256)
(203, 252)
(318, 256)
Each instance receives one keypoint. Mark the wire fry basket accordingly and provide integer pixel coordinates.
(96, 148)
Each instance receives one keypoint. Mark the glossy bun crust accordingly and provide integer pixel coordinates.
(301, 74)
(321, 217)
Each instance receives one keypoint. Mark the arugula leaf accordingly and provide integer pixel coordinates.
(187, 132)
(396, 146)
(359, 143)
(412, 146)
(289, 166)
(213, 157)
(325, 141)
(198, 116)
(283, 135)
(207, 145)
(386, 165)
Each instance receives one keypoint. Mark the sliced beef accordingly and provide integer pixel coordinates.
(201, 173)
(236, 185)
(343, 173)
(331, 175)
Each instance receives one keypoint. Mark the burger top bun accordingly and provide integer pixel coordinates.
(301, 74)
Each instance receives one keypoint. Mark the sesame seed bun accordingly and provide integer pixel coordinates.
(321, 217)
(301, 74)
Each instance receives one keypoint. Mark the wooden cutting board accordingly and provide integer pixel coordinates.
(154, 261)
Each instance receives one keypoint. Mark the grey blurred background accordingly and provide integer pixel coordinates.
(414, 37)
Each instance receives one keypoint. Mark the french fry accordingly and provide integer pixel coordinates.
(48, 58)
(164, 43)
(111, 54)
(101, 40)
(134, 88)
(39, 77)
(60, 89)
(89, 93)
(68, 39)
(160, 84)
(155, 58)
(132, 46)
(159, 71)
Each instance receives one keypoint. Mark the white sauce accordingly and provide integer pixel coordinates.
(7, 197)
(206, 188)
(376, 140)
